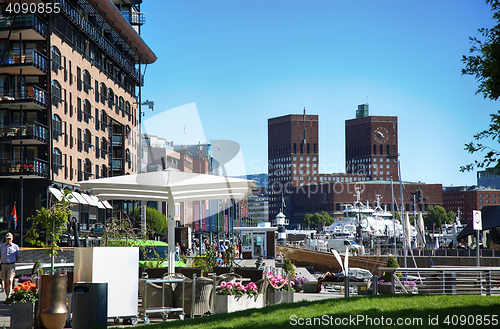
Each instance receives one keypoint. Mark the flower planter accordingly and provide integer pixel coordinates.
(22, 316)
(384, 289)
(279, 297)
(228, 303)
(310, 286)
(52, 312)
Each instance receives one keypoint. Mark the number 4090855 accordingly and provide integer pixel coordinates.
(33, 8)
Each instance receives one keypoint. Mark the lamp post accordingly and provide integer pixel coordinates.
(151, 106)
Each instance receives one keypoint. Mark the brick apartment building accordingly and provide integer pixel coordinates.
(69, 93)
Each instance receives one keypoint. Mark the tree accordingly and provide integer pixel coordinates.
(155, 220)
(316, 221)
(437, 216)
(51, 221)
(484, 65)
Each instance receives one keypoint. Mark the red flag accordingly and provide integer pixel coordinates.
(13, 216)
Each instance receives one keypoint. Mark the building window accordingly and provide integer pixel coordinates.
(79, 81)
(87, 169)
(57, 126)
(87, 111)
(56, 93)
(87, 140)
(56, 59)
(86, 81)
(104, 93)
(57, 160)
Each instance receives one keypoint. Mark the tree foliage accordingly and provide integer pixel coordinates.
(438, 216)
(484, 64)
(154, 219)
(317, 220)
(51, 221)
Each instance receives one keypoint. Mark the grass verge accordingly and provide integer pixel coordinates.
(401, 311)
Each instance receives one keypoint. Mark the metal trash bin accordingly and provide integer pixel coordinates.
(90, 305)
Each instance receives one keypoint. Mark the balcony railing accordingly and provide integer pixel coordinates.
(117, 140)
(34, 167)
(87, 175)
(98, 37)
(87, 116)
(32, 130)
(25, 22)
(87, 146)
(86, 87)
(29, 57)
(117, 164)
(26, 93)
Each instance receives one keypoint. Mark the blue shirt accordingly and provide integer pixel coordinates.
(9, 253)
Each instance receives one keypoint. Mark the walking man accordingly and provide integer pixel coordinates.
(9, 255)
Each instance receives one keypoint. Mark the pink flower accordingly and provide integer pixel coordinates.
(223, 284)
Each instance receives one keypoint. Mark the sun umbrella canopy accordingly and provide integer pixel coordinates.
(171, 186)
(156, 186)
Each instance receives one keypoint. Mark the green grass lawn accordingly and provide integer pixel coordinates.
(414, 311)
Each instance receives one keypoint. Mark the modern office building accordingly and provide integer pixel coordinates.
(489, 178)
(69, 98)
(371, 145)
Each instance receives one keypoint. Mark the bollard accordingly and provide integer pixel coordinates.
(347, 283)
(374, 285)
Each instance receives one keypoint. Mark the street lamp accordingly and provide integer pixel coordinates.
(151, 106)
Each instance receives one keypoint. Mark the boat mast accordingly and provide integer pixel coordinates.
(393, 217)
(402, 212)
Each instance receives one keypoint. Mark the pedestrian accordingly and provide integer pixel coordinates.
(178, 249)
(9, 255)
(222, 249)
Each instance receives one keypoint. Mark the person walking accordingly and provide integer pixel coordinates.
(9, 255)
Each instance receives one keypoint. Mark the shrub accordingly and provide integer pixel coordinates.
(288, 267)
(391, 262)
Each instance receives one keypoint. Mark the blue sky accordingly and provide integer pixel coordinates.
(244, 61)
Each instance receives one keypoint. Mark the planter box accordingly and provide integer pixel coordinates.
(384, 288)
(310, 286)
(279, 297)
(228, 304)
(22, 316)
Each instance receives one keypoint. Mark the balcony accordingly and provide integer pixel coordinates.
(117, 140)
(117, 164)
(30, 97)
(29, 133)
(97, 36)
(32, 62)
(32, 27)
(33, 169)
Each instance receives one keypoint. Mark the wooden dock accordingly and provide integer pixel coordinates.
(371, 263)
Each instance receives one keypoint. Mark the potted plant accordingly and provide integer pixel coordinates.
(298, 282)
(281, 291)
(385, 286)
(234, 296)
(52, 310)
(22, 302)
